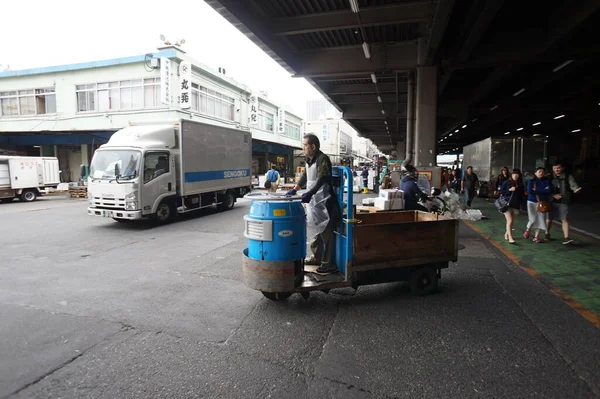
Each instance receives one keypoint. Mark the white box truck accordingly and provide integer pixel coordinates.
(160, 170)
(25, 177)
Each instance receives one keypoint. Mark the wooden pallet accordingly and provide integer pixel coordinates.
(367, 209)
(78, 192)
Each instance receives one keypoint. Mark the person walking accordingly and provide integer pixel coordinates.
(512, 191)
(502, 177)
(562, 184)
(455, 181)
(365, 179)
(538, 190)
(273, 179)
(469, 185)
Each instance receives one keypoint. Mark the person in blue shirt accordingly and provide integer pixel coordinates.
(412, 192)
(539, 190)
(273, 178)
(513, 192)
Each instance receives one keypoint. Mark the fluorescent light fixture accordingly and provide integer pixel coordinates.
(493, 108)
(366, 50)
(385, 122)
(383, 111)
(559, 116)
(379, 99)
(36, 146)
(537, 123)
(537, 135)
(561, 66)
(450, 135)
(506, 133)
(354, 5)
(464, 126)
(518, 92)
(474, 120)
(576, 130)
(374, 78)
(456, 131)
(519, 129)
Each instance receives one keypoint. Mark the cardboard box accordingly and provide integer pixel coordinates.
(389, 194)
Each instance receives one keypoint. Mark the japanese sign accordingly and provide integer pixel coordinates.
(325, 132)
(281, 120)
(165, 80)
(253, 109)
(185, 84)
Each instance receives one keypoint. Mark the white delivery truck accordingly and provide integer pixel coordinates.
(25, 177)
(160, 170)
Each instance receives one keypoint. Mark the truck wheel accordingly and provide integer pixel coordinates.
(7, 200)
(166, 212)
(28, 196)
(423, 281)
(277, 296)
(227, 201)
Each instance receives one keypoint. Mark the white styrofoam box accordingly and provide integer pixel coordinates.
(382, 203)
(389, 194)
(475, 214)
(62, 186)
(368, 201)
(355, 189)
(396, 204)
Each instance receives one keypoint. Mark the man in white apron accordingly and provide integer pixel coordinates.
(321, 209)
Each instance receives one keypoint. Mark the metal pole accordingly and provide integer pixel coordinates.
(410, 121)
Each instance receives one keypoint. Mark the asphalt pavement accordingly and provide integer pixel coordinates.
(97, 309)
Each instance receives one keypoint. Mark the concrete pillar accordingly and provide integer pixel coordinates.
(410, 120)
(401, 151)
(425, 152)
(84, 155)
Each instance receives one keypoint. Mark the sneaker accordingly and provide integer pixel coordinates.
(311, 261)
(567, 240)
(326, 269)
(526, 235)
(537, 240)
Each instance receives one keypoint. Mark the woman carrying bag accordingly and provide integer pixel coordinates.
(511, 194)
(537, 204)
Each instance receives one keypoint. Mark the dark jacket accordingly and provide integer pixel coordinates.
(412, 193)
(324, 174)
(365, 174)
(500, 181)
(471, 181)
(564, 185)
(514, 198)
(541, 189)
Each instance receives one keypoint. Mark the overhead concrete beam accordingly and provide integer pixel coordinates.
(436, 34)
(368, 99)
(367, 88)
(344, 61)
(418, 11)
(371, 111)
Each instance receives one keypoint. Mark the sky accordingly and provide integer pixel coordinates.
(39, 33)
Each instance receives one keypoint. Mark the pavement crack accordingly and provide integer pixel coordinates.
(348, 386)
(226, 341)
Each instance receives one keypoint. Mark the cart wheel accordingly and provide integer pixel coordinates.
(277, 296)
(423, 281)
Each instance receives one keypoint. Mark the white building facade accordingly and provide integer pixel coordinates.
(335, 136)
(68, 111)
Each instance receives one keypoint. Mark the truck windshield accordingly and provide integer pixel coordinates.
(104, 161)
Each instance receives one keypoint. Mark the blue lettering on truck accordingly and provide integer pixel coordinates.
(193, 177)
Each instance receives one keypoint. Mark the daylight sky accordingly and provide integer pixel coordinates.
(38, 33)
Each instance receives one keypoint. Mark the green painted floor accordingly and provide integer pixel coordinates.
(573, 268)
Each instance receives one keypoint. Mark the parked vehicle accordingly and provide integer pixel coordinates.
(25, 177)
(489, 156)
(160, 170)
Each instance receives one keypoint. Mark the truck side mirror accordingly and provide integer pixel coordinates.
(117, 170)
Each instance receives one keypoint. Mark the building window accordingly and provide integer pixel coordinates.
(28, 102)
(266, 120)
(119, 96)
(210, 102)
(292, 130)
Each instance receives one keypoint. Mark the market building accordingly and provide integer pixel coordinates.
(68, 111)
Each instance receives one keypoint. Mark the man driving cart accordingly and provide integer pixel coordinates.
(322, 213)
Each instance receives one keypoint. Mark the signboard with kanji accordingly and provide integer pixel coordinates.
(281, 120)
(165, 81)
(253, 109)
(185, 84)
